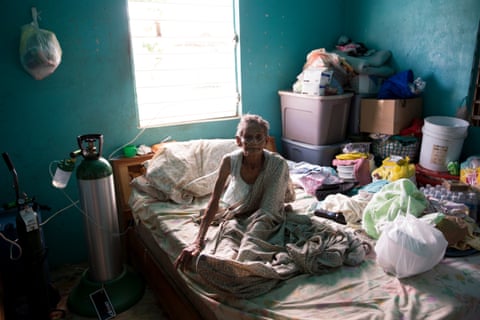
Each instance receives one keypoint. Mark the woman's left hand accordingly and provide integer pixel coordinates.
(187, 254)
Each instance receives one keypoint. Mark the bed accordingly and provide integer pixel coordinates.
(160, 228)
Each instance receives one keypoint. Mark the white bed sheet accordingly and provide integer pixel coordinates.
(449, 291)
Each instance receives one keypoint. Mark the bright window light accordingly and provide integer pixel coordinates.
(185, 60)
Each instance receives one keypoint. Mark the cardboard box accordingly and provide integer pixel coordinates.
(389, 116)
(315, 81)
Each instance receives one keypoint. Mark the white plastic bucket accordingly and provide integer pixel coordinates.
(442, 141)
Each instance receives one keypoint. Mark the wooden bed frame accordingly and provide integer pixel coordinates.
(170, 293)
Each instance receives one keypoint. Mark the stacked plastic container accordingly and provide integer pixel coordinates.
(314, 127)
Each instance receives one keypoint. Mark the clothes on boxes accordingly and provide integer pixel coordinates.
(371, 66)
(364, 60)
(401, 86)
(375, 64)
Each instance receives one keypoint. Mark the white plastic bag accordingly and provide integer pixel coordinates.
(40, 51)
(409, 246)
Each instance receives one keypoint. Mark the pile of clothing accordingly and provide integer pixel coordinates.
(371, 66)
(363, 60)
(354, 67)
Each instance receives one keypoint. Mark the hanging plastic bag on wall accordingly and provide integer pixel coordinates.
(40, 51)
(409, 246)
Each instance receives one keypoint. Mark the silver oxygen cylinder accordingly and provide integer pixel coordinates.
(97, 198)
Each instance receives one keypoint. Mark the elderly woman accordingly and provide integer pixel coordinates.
(258, 242)
(253, 201)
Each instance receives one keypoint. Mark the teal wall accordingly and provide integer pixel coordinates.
(92, 90)
(275, 38)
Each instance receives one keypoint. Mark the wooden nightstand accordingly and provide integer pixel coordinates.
(123, 169)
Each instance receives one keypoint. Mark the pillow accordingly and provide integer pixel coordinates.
(188, 169)
(141, 183)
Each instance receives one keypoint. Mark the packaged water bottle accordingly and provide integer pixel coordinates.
(63, 173)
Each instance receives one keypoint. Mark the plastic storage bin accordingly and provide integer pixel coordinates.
(316, 120)
(320, 155)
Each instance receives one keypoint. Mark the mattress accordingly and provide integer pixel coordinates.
(448, 291)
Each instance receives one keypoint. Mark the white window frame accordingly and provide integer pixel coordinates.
(183, 75)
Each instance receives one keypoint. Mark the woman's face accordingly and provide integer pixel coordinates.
(253, 139)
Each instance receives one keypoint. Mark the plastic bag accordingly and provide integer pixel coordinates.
(395, 198)
(40, 51)
(470, 171)
(394, 168)
(409, 246)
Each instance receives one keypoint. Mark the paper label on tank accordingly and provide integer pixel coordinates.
(439, 155)
(29, 217)
(103, 305)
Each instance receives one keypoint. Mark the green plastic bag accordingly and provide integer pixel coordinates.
(40, 51)
(393, 199)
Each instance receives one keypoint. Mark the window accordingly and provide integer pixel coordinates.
(185, 60)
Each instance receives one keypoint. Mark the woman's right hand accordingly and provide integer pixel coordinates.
(187, 254)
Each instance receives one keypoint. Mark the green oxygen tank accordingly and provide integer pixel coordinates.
(97, 198)
(107, 276)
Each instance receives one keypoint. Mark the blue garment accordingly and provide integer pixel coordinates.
(397, 86)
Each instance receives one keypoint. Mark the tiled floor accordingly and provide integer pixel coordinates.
(66, 277)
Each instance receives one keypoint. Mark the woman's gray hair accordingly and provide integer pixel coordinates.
(247, 119)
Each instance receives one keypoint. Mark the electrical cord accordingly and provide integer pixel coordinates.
(75, 204)
(126, 144)
(12, 244)
(146, 126)
(167, 138)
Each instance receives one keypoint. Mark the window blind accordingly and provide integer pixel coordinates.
(185, 60)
